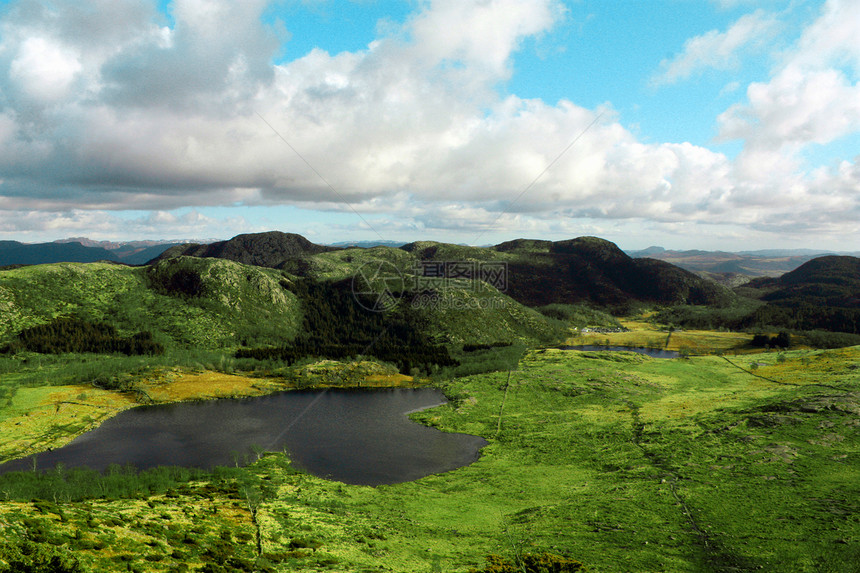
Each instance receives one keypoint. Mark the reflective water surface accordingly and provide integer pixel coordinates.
(354, 436)
(652, 352)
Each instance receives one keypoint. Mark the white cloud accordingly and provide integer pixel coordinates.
(480, 34)
(718, 50)
(795, 108)
(38, 226)
(832, 40)
(811, 98)
(410, 132)
(44, 69)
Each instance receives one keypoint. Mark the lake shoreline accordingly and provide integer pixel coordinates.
(36, 429)
(358, 436)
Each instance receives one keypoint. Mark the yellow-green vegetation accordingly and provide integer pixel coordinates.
(199, 523)
(617, 460)
(337, 373)
(46, 417)
(644, 333)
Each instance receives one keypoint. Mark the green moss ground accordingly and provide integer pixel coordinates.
(621, 461)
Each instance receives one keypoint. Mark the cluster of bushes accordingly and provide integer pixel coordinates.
(336, 326)
(406, 358)
(116, 482)
(480, 360)
(822, 327)
(531, 563)
(26, 556)
(475, 347)
(781, 340)
(65, 335)
(798, 315)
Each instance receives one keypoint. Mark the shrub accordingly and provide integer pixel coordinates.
(300, 543)
(531, 563)
(26, 556)
(781, 340)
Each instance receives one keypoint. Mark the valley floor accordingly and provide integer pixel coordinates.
(624, 462)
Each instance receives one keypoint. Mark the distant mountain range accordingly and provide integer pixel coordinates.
(80, 250)
(734, 269)
(368, 244)
(275, 249)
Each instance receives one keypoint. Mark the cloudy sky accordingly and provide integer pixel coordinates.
(721, 124)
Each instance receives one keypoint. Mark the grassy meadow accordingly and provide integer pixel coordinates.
(739, 462)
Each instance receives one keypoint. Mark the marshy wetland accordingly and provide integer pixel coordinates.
(618, 460)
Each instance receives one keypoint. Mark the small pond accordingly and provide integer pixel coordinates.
(652, 352)
(353, 436)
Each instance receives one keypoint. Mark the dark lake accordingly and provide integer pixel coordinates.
(353, 436)
(652, 352)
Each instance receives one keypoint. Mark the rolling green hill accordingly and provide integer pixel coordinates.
(830, 280)
(582, 270)
(822, 294)
(627, 463)
(205, 303)
(217, 304)
(279, 296)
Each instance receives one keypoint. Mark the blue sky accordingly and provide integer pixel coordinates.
(724, 124)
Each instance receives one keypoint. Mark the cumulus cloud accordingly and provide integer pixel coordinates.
(717, 50)
(44, 69)
(189, 226)
(812, 97)
(108, 106)
(795, 108)
(479, 34)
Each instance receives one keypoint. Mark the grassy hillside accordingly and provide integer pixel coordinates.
(195, 304)
(347, 263)
(581, 270)
(483, 315)
(620, 461)
(204, 303)
(825, 281)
